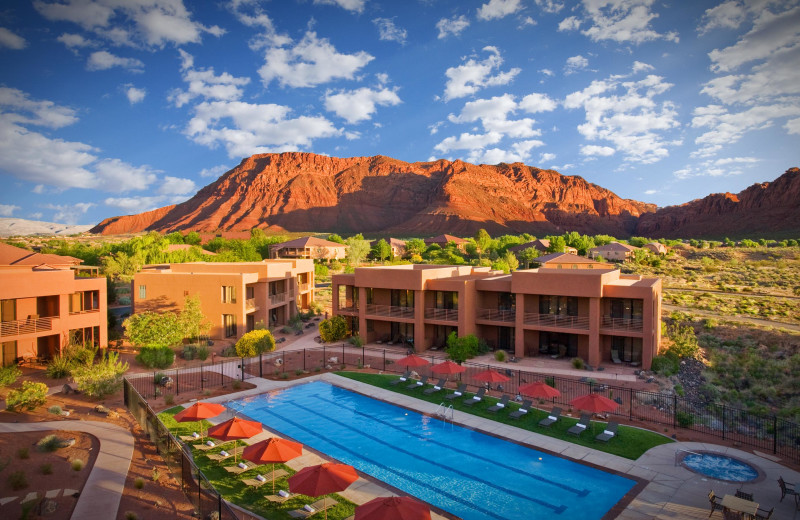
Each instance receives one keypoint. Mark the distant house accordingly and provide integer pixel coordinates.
(570, 261)
(541, 245)
(656, 247)
(398, 246)
(308, 247)
(443, 240)
(613, 251)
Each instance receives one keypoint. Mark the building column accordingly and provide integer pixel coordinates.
(334, 298)
(594, 332)
(419, 321)
(362, 312)
(519, 331)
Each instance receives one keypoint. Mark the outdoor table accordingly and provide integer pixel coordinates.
(740, 505)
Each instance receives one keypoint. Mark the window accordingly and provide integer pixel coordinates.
(142, 292)
(229, 322)
(561, 305)
(629, 350)
(445, 300)
(370, 296)
(228, 294)
(8, 310)
(9, 351)
(75, 303)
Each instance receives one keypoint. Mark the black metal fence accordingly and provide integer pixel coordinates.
(763, 431)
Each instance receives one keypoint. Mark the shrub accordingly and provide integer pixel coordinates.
(9, 375)
(202, 352)
(356, 341)
(316, 308)
(156, 357)
(679, 391)
(51, 443)
(18, 480)
(23, 453)
(254, 343)
(189, 352)
(59, 367)
(229, 352)
(46, 468)
(103, 378)
(138, 483)
(333, 329)
(500, 355)
(684, 341)
(130, 515)
(157, 377)
(463, 348)
(578, 363)
(156, 474)
(76, 464)
(29, 397)
(684, 419)
(55, 410)
(236, 384)
(81, 354)
(666, 364)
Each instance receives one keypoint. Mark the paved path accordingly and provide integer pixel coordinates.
(103, 489)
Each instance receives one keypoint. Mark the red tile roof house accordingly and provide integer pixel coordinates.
(308, 247)
(45, 300)
(570, 261)
(541, 245)
(443, 240)
(656, 247)
(613, 251)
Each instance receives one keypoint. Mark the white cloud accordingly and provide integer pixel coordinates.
(474, 75)
(546, 72)
(114, 175)
(594, 150)
(150, 23)
(536, 102)
(571, 23)
(36, 215)
(132, 205)
(206, 84)
(727, 15)
(311, 62)
(11, 40)
(176, 186)
(527, 22)
(546, 157)
(18, 108)
(214, 171)
(650, 192)
(246, 129)
(638, 66)
(358, 105)
(793, 126)
(388, 31)
(727, 166)
(356, 6)
(74, 41)
(454, 26)
(7, 209)
(498, 9)
(550, 6)
(135, 95)
(467, 141)
(622, 21)
(251, 14)
(519, 152)
(627, 115)
(104, 60)
(575, 64)
(69, 214)
(727, 128)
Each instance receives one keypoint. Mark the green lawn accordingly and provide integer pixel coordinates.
(630, 443)
(230, 486)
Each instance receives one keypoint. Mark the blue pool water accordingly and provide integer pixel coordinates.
(467, 473)
(720, 467)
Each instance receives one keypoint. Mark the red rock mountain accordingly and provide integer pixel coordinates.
(768, 209)
(308, 192)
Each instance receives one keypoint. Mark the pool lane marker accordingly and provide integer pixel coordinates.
(557, 509)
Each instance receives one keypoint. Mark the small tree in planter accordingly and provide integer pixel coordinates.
(333, 329)
(254, 343)
(28, 397)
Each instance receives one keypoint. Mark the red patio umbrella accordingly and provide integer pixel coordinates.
(393, 508)
(233, 430)
(199, 411)
(540, 390)
(491, 376)
(447, 368)
(272, 450)
(329, 477)
(412, 360)
(594, 403)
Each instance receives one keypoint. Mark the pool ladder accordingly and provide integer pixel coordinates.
(677, 463)
(443, 410)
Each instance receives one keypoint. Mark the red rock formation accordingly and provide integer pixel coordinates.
(308, 192)
(768, 209)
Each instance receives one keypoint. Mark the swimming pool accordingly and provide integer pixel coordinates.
(467, 473)
(720, 467)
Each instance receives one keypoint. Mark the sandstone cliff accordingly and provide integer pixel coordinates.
(307, 192)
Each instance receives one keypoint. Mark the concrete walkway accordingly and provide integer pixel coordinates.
(103, 489)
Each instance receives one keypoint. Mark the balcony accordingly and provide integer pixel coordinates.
(85, 311)
(442, 314)
(556, 321)
(390, 311)
(32, 326)
(497, 315)
(348, 307)
(622, 324)
(303, 287)
(275, 299)
(250, 305)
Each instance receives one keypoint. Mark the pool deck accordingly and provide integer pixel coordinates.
(671, 492)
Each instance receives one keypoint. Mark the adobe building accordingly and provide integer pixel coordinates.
(235, 296)
(597, 314)
(614, 251)
(443, 240)
(308, 247)
(569, 261)
(45, 302)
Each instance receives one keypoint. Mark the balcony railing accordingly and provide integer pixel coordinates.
(622, 324)
(497, 315)
(347, 307)
(250, 304)
(390, 311)
(556, 321)
(304, 287)
(84, 311)
(277, 298)
(441, 314)
(19, 327)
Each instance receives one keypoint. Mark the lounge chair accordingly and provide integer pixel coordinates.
(191, 438)
(716, 502)
(583, 423)
(208, 445)
(258, 482)
(415, 384)
(763, 514)
(457, 393)
(610, 432)
(555, 414)
(615, 357)
(523, 409)
(316, 507)
(401, 379)
(239, 469)
(279, 498)
(437, 387)
(224, 454)
(477, 398)
(500, 404)
(742, 494)
(786, 489)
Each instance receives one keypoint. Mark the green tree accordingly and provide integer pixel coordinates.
(483, 241)
(192, 238)
(191, 319)
(511, 261)
(121, 265)
(381, 250)
(557, 244)
(463, 348)
(638, 241)
(333, 237)
(684, 341)
(333, 329)
(176, 237)
(28, 397)
(528, 255)
(254, 343)
(153, 329)
(415, 246)
(102, 378)
(357, 250)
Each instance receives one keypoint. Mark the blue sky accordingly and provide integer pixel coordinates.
(112, 107)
